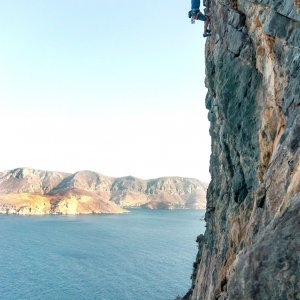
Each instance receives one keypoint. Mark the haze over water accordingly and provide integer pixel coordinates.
(141, 255)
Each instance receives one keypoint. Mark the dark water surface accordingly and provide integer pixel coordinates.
(142, 255)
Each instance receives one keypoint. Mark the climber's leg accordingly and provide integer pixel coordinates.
(200, 16)
(195, 13)
(207, 23)
(195, 5)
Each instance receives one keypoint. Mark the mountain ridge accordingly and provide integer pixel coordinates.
(65, 193)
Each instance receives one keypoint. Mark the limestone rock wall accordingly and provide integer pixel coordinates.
(250, 249)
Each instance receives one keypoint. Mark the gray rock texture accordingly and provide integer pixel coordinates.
(251, 247)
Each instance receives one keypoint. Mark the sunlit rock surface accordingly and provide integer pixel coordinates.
(26, 191)
(250, 249)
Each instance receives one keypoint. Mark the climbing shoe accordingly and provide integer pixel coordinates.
(206, 34)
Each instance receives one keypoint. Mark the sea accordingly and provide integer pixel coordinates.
(140, 255)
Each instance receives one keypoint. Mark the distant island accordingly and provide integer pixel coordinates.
(26, 191)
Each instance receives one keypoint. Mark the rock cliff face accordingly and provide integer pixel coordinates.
(250, 249)
(27, 191)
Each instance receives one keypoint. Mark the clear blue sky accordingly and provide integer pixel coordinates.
(112, 86)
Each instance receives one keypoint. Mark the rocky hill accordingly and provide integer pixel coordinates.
(250, 249)
(25, 180)
(28, 191)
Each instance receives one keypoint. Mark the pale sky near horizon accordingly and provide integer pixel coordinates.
(115, 87)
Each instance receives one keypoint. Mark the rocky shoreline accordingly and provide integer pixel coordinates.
(26, 191)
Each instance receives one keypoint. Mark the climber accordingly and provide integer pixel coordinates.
(195, 5)
(196, 14)
(207, 13)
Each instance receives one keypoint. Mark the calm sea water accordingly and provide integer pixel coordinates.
(143, 255)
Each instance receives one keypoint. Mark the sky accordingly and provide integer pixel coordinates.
(115, 87)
